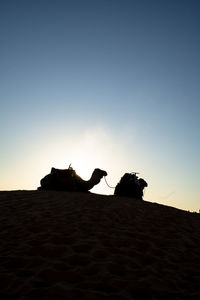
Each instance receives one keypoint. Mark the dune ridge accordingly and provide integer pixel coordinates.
(60, 245)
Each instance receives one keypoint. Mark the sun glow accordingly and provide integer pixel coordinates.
(94, 149)
(84, 155)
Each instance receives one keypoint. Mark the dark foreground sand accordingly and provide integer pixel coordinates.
(59, 245)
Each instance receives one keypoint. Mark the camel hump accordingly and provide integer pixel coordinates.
(63, 172)
(59, 179)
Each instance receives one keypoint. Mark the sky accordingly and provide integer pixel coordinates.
(110, 84)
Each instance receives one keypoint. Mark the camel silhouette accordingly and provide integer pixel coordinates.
(131, 186)
(68, 180)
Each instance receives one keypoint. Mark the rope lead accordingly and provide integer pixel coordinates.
(111, 187)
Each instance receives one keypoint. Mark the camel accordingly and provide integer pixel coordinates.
(68, 180)
(131, 186)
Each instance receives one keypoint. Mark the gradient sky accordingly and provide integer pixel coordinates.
(113, 84)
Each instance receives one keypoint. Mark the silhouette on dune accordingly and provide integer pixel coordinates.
(68, 180)
(131, 186)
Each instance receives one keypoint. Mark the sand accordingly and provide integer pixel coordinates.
(60, 245)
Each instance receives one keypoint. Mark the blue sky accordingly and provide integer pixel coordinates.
(109, 84)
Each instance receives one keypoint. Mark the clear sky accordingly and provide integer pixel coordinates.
(113, 84)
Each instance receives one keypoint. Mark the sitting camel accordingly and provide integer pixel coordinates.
(68, 180)
(131, 186)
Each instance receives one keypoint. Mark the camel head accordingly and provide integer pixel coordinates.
(97, 175)
(142, 183)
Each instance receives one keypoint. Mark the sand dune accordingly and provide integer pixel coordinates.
(59, 245)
